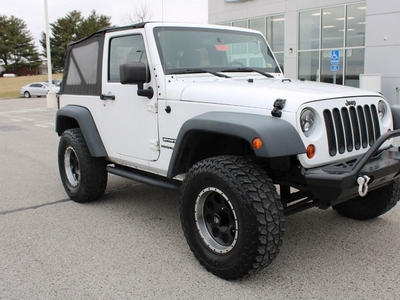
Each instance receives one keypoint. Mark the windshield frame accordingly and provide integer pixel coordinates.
(177, 45)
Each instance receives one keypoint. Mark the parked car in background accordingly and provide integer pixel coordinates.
(37, 89)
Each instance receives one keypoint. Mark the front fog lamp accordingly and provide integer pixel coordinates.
(307, 121)
(381, 110)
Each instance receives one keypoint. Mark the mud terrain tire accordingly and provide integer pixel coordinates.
(231, 216)
(374, 204)
(84, 177)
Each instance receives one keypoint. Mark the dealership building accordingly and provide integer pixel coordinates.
(353, 43)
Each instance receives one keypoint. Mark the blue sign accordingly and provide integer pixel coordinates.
(335, 57)
(334, 68)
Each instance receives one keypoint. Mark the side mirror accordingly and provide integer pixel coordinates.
(136, 73)
(133, 73)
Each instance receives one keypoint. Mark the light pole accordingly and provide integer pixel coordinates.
(51, 96)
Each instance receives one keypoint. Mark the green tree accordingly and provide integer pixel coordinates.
(72, 27)
(17, 46)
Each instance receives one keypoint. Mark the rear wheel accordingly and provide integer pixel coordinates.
(84, 177)
(231, 216)
(374, 204)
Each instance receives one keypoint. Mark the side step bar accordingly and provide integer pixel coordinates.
(144, 177)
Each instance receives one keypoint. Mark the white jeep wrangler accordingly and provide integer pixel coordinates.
(206, 110)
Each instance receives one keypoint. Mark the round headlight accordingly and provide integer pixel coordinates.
(381, 110)
(307, 121)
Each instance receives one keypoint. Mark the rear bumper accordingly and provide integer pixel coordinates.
(336, 183)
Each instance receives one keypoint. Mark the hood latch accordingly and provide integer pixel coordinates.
(279, 104)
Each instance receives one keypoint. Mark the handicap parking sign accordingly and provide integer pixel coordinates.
(335, 57)
(334, 68)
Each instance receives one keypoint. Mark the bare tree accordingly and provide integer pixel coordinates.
(139, 15)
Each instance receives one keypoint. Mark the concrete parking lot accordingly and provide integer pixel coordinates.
(130, 245)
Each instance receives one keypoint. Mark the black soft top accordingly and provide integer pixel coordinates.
(83, 63)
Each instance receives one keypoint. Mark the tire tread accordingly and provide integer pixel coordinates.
(259, 194)
(374, 204)
(94, 181)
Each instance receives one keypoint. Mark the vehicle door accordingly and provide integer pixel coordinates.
(130, 121)
(37, 89)
(42, 89)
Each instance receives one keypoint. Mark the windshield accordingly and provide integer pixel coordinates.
(185, 49)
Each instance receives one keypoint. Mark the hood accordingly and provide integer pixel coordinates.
(261, 92)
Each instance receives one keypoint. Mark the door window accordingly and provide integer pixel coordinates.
(122, 50)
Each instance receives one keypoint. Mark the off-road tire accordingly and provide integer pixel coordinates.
(231, 216)
(374, 204)
(84, 177)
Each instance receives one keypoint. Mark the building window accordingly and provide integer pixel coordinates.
(273, 28)
(333, 27)
(354, 66)
(310, 24)
(241, 24)
(276, 37)
(309, 65)
(339, 28)
(259, 24)
(355, 26)
(327, 75)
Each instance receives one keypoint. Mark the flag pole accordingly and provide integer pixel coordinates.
(51, 96)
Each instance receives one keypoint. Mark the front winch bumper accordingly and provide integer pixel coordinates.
(341, 181)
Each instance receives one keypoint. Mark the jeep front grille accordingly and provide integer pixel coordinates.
(351, 128)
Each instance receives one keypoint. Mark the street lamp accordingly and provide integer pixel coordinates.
(51, 96)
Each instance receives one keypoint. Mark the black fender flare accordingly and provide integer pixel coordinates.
(396, 116)
(279, 137)
(86, 123)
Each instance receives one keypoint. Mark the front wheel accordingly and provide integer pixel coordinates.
(84, 177)
(231, 216)
(374, 204)
(27, 94)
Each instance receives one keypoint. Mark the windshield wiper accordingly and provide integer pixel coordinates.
(189, 71)
(249, 70)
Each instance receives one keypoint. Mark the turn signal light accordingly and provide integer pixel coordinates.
(257, 143)
(310, 151)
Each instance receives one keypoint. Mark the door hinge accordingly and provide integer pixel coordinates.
(152, 107)
(153, 144)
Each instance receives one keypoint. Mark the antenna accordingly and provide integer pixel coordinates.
(163, 61)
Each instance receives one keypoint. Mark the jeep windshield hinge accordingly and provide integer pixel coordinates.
(152, 107)
(153, 144)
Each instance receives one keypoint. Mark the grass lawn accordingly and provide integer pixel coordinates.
(9, 87)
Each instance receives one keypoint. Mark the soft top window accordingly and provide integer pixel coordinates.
(87, 64)
(82, 68)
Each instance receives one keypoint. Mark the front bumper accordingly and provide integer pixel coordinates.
(336, 183)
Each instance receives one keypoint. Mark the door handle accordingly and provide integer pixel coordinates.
(107, 97)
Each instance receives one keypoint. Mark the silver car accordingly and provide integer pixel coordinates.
(37, 89)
